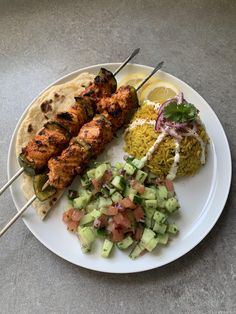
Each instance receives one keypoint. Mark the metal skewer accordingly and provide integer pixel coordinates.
(23, 209)
(158, 67)
(133, 54)
(16, 175)
(30, 201)
(21, 170)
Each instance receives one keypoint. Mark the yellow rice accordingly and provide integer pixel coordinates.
(139, 140)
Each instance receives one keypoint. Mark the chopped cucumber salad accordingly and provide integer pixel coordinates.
(125, 205)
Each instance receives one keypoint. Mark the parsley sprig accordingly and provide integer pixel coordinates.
(181, 113)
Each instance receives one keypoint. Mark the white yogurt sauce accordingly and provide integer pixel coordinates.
(153, 104)
(138, 122)
(153, 147)
(173, 170)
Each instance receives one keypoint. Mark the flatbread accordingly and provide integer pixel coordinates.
(57, 98)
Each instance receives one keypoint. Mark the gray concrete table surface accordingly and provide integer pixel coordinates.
(42, 40)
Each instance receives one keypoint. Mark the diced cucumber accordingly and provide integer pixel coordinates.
(86, 193)
(136, 199)
(148, 222)
(91, 173)
(147, 236)
(89, 217)
(149, 194)
(129, 191)
(101, 232)
(104, 202)
(138, 163)
(103, 210)
(153, 187)
(116, 197)
(100, 170)
(172, 228)
(105, 191)
(159, 217)
(150, 246)
(124, 244)
(162, 192)
(119, 183)
(87, 236)
(141, 176)
(171, 194)
(118, 165)
(115, 172)
(159, 228)
(161, 203)
(129, 159)
(137, 250)
(80, 202)
(95, 213)
(86, 219)
(111, 191)
(171, 205)
(151, 204)
(92, 205)
(163, 238)
(129, 168)
(107, 247)
(84, 180)
(149, 212)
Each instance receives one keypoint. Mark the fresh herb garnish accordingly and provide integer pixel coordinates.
(181, 113)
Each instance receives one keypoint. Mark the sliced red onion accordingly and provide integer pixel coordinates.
(172, 132)
(97, 223)
(175, 129)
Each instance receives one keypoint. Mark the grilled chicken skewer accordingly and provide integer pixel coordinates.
(90, 141)
(55, 136)
(92, 137)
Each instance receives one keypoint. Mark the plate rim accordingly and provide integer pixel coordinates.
(195, 242)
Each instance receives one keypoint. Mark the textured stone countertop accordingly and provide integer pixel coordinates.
(41, 41)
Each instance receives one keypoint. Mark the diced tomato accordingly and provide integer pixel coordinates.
(138, 213)
(127, 203)
(97, 184)
(169, 185)
(76, 215)
(117, 236)
(122, 220)
(140, 188)
(129, 213)
(107, 177)
(116, 232)
(138, 233)
(112, 210)
(103, 221)
(67, 215)
(72, 226)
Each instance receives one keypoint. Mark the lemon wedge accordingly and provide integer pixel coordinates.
(159, 92)
(135, 79)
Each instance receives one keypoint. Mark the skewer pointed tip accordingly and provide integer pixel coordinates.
(135, 52)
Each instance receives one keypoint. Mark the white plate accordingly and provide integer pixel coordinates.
(202, 197)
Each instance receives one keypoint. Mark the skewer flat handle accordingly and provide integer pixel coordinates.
(19, 214)
(16, 175)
